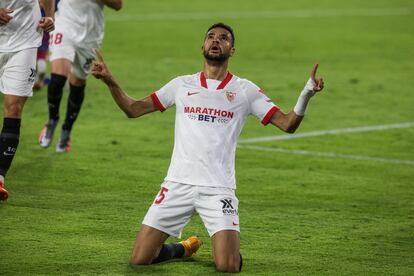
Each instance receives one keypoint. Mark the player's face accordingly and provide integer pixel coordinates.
(218, 45)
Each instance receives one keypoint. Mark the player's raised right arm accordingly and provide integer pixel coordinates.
(132, 108)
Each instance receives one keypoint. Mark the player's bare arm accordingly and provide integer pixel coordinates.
(132, 108)
(290, 122)
(5, 16)
(113, 4)
(47, 22)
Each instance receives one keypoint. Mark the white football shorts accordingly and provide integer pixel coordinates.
(18, 72)
(176, 203)
(81, 56)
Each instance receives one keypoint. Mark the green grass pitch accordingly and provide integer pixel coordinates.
(78, 213)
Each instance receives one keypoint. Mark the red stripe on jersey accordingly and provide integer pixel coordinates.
(157, 102)
(269, 115)
(203, 80)
(225, 81)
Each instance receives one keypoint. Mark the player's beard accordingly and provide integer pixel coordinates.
(222, 57)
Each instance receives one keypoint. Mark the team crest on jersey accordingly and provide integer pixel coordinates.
(230, 96)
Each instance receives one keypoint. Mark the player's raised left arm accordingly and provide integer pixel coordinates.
(290, 122)
(47, 22)
(113, 4)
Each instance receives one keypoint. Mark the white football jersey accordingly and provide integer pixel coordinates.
(22, 32)
(83, 21)
(209, 117)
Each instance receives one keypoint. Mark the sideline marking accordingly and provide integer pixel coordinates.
(329, 154)
(185, 16)
(327, 132)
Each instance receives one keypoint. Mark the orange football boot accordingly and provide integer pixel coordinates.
(191, 245)
(3, 192)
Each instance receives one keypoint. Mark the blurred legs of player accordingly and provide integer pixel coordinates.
(61, 70)
(149, 247)
(9, 137)
(17, 74)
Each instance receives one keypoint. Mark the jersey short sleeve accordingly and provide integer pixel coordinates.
(259, 104)
(165, 97)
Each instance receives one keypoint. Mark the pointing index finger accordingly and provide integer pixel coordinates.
(313, 73)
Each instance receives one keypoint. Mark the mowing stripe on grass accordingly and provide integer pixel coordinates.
(327, 132)
(329, 154)
(261, 14)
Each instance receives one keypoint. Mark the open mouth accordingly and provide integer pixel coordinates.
(215, 49)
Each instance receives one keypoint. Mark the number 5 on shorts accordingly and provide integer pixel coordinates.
(161, 195)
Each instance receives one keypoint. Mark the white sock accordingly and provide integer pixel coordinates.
(41, 65)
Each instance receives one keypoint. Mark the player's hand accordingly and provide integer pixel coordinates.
(100, 70)
(47, 24)
(317, 82)
(4, 16)
(113, 4)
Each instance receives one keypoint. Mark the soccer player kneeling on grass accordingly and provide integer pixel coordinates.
(211, 108)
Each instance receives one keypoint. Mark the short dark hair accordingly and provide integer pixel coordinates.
(224, 26)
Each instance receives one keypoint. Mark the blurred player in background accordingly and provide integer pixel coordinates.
(79, 30)
(21, 29)
(211, 108)
(41, 62)
(42, 56)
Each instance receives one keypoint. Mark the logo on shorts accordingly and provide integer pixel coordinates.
(228, 208)
(32, 76)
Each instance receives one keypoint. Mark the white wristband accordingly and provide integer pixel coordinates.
(304, 98)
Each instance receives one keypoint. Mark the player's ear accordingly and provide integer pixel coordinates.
(232, 51)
